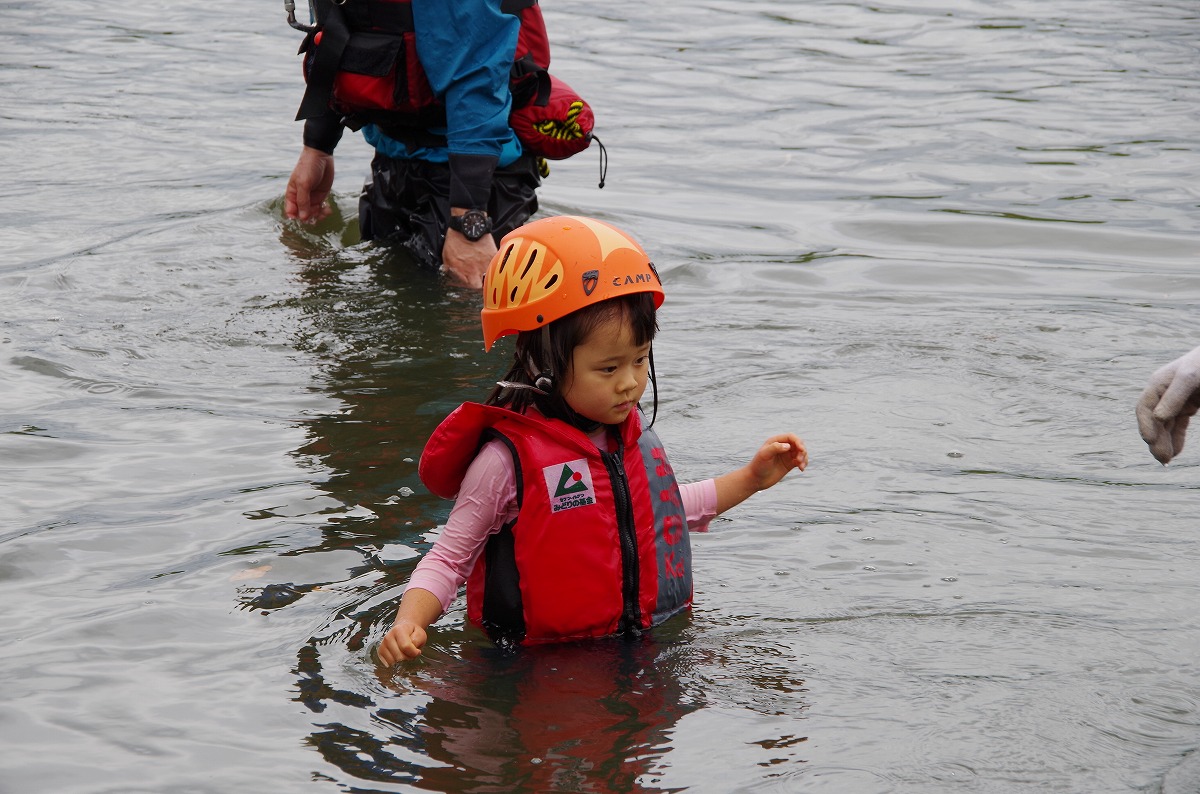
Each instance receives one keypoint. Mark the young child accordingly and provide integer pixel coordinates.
(568, 522)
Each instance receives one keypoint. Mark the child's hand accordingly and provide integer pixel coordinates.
(776, 457)
(403, 641)
(407, 636)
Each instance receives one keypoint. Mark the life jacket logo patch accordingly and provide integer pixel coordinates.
(569, 485)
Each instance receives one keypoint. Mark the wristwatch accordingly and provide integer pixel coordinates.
(473, 224)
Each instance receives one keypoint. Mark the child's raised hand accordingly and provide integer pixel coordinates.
(776, 457)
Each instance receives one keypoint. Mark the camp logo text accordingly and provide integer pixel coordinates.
(634, 278)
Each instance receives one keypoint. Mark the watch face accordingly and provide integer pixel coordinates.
(473, 224)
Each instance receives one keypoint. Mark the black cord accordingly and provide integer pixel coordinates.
(603, 160)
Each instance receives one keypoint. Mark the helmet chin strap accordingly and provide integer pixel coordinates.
(654, 386)
(543, 379)
(508, 384)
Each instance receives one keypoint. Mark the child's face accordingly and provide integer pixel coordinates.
(608, 373)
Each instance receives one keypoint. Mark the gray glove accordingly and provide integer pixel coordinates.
(1171, 398)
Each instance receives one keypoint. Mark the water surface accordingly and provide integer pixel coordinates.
(946, 243)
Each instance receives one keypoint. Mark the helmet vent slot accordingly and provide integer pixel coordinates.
(532, 258)
(507, 253)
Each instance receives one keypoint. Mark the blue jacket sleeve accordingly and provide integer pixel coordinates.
(466, 48)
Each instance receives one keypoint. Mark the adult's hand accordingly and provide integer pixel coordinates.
(309, 186)
(1168, 403)
(464, 261)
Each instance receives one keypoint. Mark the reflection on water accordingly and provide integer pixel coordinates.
(591, 717)
(944, 243)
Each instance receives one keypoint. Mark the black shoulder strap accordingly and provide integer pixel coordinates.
(334, 36)
(383, 17)
(503, 610)
(487, 436)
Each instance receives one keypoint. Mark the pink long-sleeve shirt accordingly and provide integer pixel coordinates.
(487, 500)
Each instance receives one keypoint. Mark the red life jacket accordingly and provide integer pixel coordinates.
(362, 62)
(600, 543)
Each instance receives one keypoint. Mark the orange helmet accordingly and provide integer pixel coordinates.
(551, 267)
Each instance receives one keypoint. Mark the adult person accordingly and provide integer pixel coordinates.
(1168, 403)
(444, 184)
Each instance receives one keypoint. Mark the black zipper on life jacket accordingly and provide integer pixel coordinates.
(631, 611)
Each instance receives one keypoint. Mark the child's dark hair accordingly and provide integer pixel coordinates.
(548, 352)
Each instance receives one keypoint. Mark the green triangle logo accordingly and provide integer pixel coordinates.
(569, 482)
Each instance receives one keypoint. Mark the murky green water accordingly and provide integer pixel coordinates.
(945, 243)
